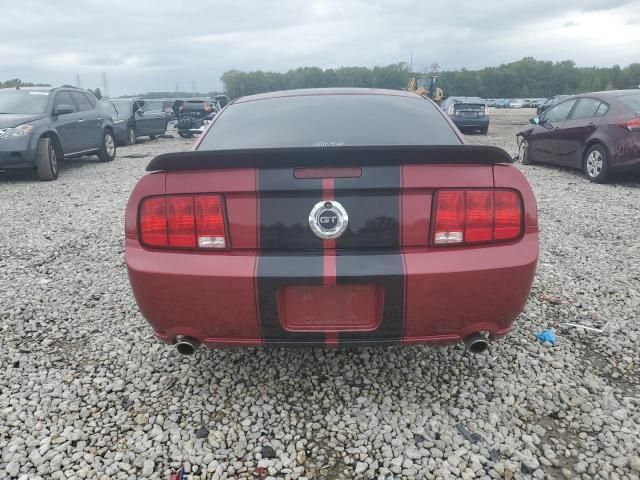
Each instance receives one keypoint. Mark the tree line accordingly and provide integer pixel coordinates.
(525, 78)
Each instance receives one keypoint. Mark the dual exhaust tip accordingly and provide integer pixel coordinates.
(475, 343)
(186, 345)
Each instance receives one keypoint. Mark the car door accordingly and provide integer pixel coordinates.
(89, 122)
(576, 130)
(67, 125)
(155, 118)
(543, 145)
(144, 122)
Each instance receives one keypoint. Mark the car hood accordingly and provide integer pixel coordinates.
(10, 120)
(525, 131)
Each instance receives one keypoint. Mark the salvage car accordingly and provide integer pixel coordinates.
(194, 116)
(39, 126)
(134, 118)
(468, 113)
(307, 218)
(597, 132)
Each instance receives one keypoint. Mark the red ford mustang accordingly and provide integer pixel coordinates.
(331, 217)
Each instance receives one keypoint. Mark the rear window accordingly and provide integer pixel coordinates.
(193, 106)
(631, 101)
(329, 120)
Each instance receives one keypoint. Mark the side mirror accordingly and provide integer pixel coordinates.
(63, 110)
(140, 111)
(535, 120)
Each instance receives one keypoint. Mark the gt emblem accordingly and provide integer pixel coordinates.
(328, 219)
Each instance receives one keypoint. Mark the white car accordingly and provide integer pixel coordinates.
(516, 103)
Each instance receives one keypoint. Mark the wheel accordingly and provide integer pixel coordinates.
(47, 160)
(153, 137)
(107, 151)
(131, 136)
(523, 152)
(185, 134)
(596, 164)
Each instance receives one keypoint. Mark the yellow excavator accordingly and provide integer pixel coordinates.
(427, 86)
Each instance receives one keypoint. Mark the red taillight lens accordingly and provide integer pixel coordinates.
(183, 221)
(476, 216)
(479, 209)
(508, 215)
(631, 125)
(153, 222)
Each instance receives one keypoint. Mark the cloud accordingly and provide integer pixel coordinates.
(147, 45)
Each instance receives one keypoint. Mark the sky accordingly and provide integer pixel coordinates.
(156, 45)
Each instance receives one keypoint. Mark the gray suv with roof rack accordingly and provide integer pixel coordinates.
(39, 126)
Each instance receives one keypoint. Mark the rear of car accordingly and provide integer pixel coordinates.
(307, 218)
(468, 113)
(194, 117)
(623, 131)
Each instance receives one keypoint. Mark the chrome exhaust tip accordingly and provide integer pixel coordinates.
(187, 345)
(476, 343)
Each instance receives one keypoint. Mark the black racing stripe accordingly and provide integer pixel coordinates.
(371, 201)
(283, 211)
(285, 203)
(369, 253)
(274, 272)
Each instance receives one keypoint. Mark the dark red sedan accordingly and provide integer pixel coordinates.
(335, 217)
(596, 132)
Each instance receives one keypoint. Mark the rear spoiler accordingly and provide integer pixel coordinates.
(328, 157)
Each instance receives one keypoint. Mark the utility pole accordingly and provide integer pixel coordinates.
(78, 82)
(193, 88)
(105, 85)
(411, 64)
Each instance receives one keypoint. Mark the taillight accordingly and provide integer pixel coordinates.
(476, 216)
(631, 125)
(183, 221)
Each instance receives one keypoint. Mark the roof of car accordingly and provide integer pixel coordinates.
(327, 91)
(614, 93)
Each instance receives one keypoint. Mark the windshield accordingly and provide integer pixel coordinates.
(329, 120)
(122, 106)
(21, 101)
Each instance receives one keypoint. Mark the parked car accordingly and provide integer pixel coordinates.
(134, 118)
(318, 222)
(195, 115)
(468, 113)
(502, 103)
(516, 103)
(40, 126)
(596, 132)
(549, 102)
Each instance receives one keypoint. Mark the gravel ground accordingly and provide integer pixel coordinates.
(86, 392)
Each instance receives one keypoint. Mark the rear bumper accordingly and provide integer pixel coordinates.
(470, 122)
(430, 295)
